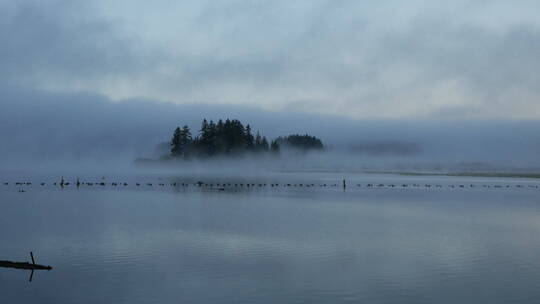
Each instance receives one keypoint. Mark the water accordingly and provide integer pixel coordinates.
(309, 245)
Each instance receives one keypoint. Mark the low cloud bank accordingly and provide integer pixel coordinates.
(40, 129)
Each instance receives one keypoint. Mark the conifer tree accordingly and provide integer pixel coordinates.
(186, 135)
(186, 141)
(204, 131)
(250, 144)
(175, 142)
(211, 145)
(258, 141)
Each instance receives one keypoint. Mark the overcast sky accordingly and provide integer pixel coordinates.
(362, 59)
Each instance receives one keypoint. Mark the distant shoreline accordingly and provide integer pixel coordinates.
(472, 174)
(501, 174)
(456, 174)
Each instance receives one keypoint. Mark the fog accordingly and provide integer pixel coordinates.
(49, 131)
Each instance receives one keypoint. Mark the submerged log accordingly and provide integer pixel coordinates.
(23, 265)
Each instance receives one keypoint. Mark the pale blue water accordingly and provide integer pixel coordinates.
(309, 245)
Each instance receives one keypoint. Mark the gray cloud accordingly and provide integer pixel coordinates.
(59, 41)
(422, 59)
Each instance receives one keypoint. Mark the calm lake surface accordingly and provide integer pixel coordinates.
(275, 245)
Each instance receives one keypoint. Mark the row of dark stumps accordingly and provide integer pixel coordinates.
(223, 186)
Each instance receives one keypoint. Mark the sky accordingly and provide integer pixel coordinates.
(473, 60)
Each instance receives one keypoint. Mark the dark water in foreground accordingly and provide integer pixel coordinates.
(286, 246)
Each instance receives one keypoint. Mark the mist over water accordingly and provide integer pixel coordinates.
(43, 131)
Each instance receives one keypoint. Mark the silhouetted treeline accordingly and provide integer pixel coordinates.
(228, 137)
(303, 142)
(231, 137)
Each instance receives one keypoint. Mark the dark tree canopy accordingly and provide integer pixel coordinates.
(227, 137)
(302, 142)
(231, 138)
(181, 142)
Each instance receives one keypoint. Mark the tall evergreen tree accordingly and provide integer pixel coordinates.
(204, 131)
(250, 143)
(211, 145)
(186, 135)
(258, 141)
(186, 141)
(176, 142)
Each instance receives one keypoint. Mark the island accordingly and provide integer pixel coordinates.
(230, 137)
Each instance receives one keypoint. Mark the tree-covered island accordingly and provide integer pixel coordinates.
(232, 138)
